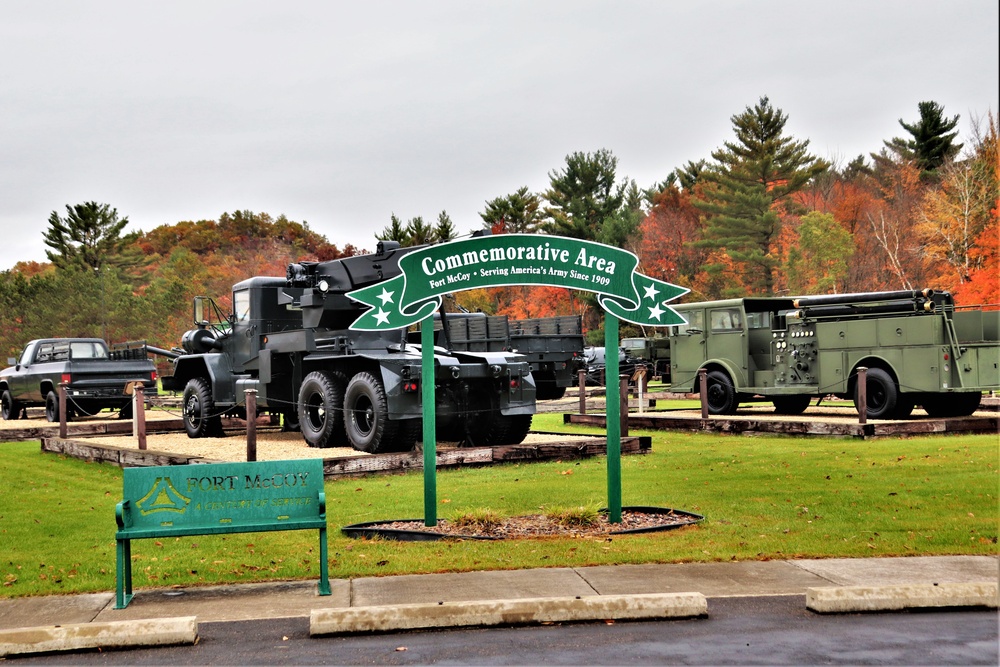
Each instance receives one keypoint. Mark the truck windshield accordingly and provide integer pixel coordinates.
(88, 350)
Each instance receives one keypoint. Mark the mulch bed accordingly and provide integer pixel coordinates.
(634, 520)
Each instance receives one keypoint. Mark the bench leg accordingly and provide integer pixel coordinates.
(324, 575)
(123, 574)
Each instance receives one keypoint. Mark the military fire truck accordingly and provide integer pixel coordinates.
(289, 340)
(917, 346)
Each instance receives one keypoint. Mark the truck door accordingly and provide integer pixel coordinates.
(727, 338)
(19, 387)
(687, 352)
(244, 331)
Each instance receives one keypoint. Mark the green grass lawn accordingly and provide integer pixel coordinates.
(763, 498)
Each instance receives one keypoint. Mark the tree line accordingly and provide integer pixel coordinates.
(760, 216)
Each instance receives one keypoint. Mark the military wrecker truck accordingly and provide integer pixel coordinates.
(553, 346)
(289, 340)
(96, 377)
(917, 347)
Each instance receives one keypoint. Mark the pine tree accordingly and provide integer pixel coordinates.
(584, 195)
(418, 232)
(933, 139)
(445, 229)
(394, 232)
(517, 213)
(89, 237)
(743, 190)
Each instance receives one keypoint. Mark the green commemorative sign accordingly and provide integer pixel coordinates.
(517, 259)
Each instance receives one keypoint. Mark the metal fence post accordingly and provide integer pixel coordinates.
(582, 375)
(251, 402)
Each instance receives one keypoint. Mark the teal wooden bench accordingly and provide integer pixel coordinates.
(218, 499)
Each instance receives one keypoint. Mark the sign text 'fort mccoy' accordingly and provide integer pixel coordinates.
(517, 259)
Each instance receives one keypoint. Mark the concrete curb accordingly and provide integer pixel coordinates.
(904, 596)
(115, 634)
(348, 620)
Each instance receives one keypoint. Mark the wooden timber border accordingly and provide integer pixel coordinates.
(804, 427)
(574, 447)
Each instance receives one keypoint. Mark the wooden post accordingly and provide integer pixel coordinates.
(623, 399)
(703, 391)
(862, 395)
(139, 413)
(251, 401)
(582, 375)
(641, 385)
(62, 409)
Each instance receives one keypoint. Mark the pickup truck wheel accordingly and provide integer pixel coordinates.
(321, 409)
(11, 409)
(200, 420)
(790, 405)
(366, 416)
(52, 408)
(721, 394)
(883, 395)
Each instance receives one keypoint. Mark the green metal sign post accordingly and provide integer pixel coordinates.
(613, 419)
(430, 435)
(517, 259)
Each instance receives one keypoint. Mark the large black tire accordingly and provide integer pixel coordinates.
(321, 409)
(722, 398)
(791, 405)
(366, 418)
(883, 395)
(200, 418)
(952, 405)
(52, 408)
(10, 408)
(516, 428)
(549, 391)
(904, 406)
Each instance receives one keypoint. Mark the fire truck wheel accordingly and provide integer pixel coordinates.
(721, 394)
(321, 409)
(883, 395)
(790, 405)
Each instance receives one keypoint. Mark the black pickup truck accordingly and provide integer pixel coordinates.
(96, 377)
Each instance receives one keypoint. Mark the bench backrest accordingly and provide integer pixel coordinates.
(222, 494)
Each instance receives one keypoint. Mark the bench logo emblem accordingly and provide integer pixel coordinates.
(163, 497)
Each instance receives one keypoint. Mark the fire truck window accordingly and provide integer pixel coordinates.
(725, 319)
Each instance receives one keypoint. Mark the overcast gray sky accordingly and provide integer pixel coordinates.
(340, 114)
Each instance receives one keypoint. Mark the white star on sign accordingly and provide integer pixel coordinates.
(651, 291)
(655, 312)
(382, 317)
(386, 296)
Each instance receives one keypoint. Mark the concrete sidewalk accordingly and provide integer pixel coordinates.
(291, 599)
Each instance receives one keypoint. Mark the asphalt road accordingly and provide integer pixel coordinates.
(745, 631)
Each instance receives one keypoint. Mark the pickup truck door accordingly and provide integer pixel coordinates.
(19, 385)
